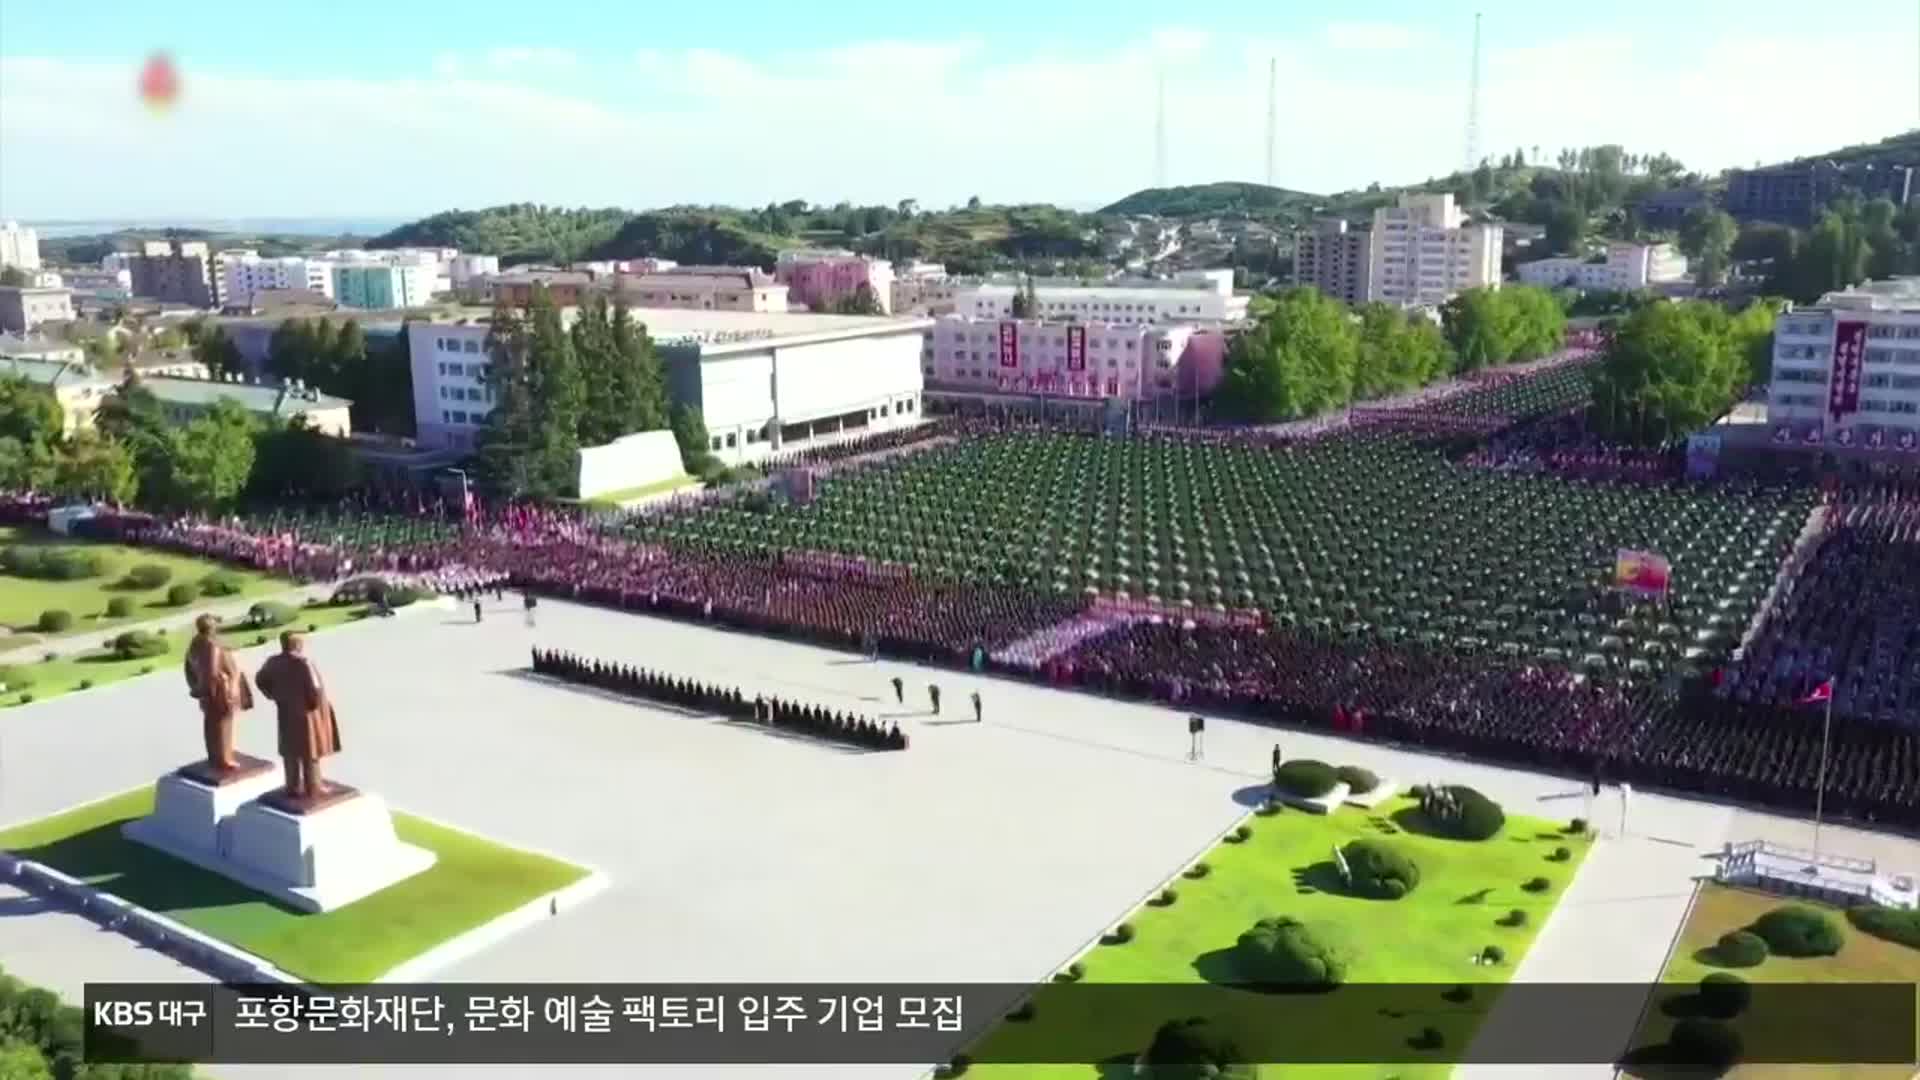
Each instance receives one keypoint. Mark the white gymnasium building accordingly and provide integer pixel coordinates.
(764, 381)
(1624, 268)
(1846, 371)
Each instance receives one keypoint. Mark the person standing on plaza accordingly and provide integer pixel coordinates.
(528, 602)
(976, 706)
(476, 609)
(933, 695)
(899, 691)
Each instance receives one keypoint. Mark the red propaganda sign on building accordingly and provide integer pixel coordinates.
(1076, 348)
(1009, 345)
(1849, 350)
(1908, 442)
(1113, 386)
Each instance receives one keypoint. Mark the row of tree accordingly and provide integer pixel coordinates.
(557, 390)
(1671, 369)
(133, 452)
(1511, 325)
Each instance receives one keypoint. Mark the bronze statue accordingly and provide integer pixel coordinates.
(308, 729)
(215, 680)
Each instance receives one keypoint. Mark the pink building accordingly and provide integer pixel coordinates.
(820, 279)
(1072, 359)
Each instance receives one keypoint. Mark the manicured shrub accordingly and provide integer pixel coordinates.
(137, 645)
(84, 684)
(1429, 1038)
(1120, 935)
(1074, 973)
(221, 583)
(147, 576)
(1888, 924)
(1560, 854)
(1379, 870)
(1740, 949)
(1459, 994)
(260, 639)
(1241, 835)
(1798, 930)
(1358, 780)
(119, 607)
(267, 614)
(312, 627)
(1192, 1047)
(14, 677)
(1515, 917)
(182, 594)
(955, 1066)
(1578, 826)
(1167, 897)
(55, 621)
(1537, 884)
(1022, 1012)
(1267, 809)
(1462, 813)
(1724, 996)
(1305, 778)
(400, 596)
(69, 564)
(20, 561)
(146, 669)
(1703, 1044)
(26, 699)
(1197, 871)
(1282, 951)
(1493, 954)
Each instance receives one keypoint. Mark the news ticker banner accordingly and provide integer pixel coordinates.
(1063, 1023)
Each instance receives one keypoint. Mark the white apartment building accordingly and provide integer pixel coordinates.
(706, 288)
(451, 398)
(1423, 252)
(923, 288)
(244, 273)
(462, 269)
(1197, 297)
(23, 309)
(1624, 268)
(1846, 371)
(19, 246)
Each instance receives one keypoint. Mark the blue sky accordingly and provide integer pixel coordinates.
(353, 108)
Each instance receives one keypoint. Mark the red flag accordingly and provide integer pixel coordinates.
(1823, 692)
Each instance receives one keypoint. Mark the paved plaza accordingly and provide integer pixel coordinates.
(987, 852)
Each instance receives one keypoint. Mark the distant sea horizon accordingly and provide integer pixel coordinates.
(57, 227)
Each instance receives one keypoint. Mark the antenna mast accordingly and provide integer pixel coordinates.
(1272, 113)
(1160, 131)
(1473, 102)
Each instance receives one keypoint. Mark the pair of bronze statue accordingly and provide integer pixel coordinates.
(308, 728)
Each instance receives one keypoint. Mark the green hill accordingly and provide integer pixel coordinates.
(518, 233)
(1901, 149)
(1217, 200)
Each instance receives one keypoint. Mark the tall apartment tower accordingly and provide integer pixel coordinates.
(1334, 258)
(1423, 252)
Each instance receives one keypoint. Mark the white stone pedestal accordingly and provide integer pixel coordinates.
(190, 814)
(322, 859)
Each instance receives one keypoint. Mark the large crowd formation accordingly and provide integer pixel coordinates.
(1368, 581)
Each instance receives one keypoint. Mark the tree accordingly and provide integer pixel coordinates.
(1026, 302)
(1297, 360)
(640, 367)
(1668, 369)
(91, 467)
(220, 355)
(1707, 238)
(530, 446)
(1480, 329)
(1537, 320)
(861, 301)
(290, 351)
(211, 458)
(29, 414)
(14, 277)
(1566, 229)
(973, 202)
(296, 461)
(690, 431)
(381, 387)
(607, 411)
(1395, 352)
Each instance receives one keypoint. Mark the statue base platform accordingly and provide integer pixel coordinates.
(193, 806)
(312, 855)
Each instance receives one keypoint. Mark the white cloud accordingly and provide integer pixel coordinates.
(1370, 36)
(885, 120)
(511, 58)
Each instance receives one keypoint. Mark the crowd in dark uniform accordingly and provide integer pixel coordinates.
(629, 681)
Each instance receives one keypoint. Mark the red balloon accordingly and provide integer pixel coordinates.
(159, 82)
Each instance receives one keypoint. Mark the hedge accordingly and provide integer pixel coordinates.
(182, 594)
(138, 645)
(1306, 778)
(54, 564)
(1358, 780)
(55, 621)
(400, 596)
(147, 576)
(1282, 951)
(1888, 924)
(1460, 812)
(1379, 870)
(1704, 1043)
(221, 583)
(269, 614)
(1798, 930)
(119, 607)
(1192, 1047)
(1740, 949)
(1724, 996)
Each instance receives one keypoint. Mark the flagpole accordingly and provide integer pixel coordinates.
(1820, 785)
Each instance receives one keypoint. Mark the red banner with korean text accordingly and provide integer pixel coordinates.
(1076, 348)
(1641, 572)
(1849, 350)
(1009, 345)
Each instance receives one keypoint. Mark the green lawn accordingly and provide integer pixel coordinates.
(23, 599)
(473, 882)
(62, 675)
(1863, 958)
(1431, 936)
